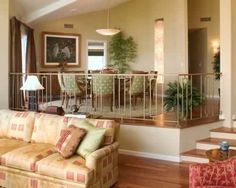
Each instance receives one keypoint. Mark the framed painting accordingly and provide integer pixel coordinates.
(60, 48)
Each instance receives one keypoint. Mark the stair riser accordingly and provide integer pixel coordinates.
(194, 159)
(223, 135)
(209, 146)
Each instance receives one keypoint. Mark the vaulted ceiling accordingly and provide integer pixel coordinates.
(40, 10)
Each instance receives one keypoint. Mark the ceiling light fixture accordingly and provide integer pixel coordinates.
(108, 31)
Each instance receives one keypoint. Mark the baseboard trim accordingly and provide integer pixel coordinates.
(150, 155)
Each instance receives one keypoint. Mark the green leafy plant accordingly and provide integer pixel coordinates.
(122, 52)
(187, 98)
(216, 65)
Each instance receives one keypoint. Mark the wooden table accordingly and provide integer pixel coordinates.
(215, 155)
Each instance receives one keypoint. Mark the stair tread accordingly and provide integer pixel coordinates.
(225, 130)
(217, 141)
(195, 153)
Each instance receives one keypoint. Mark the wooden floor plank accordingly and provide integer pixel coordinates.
(136, 172)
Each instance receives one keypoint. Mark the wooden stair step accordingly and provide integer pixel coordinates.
(225, 130)
(195, 153)
(217, 141)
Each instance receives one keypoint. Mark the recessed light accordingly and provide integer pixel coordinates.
(73, 9)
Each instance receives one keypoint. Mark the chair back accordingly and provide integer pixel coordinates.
(102, 84)
(60, 81)
(70, 83)
(138, 83)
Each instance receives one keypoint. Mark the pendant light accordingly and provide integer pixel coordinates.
(108, 31)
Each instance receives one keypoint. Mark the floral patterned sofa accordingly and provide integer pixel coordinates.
(28, 158)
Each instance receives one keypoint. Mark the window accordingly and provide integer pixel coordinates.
(159, 46)
(23, 47)
(96, 55)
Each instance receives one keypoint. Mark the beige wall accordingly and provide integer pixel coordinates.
(206, 8)
(233, 39)
(135, 18)
(150, 140)
(4, 52)
(189, 136)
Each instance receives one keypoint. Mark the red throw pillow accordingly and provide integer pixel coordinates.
(69, 140)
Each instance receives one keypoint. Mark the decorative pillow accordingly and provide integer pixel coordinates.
(69, 140)
(47, 128)
(21, 126)
(92, 140)
(108, 125)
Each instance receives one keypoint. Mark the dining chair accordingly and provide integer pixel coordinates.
(62, 87)
(102, 87)
(72, 89)
(152, 82)
(137, 86)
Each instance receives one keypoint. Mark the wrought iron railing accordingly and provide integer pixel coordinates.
(156, 97)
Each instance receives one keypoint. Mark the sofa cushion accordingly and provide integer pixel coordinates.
(5, 117)
(108, 125)
(47, 128)
(25, 157)
(92, 139)
(72, 169)
(69, 140)
(21, 126)
(7, 145)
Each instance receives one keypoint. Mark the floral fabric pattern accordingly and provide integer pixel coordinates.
(221, 174)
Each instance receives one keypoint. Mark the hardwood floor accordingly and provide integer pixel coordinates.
(136, 172)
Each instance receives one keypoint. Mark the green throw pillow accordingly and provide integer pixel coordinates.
(92, 140)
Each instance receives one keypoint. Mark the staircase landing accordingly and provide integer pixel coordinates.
(216, 137)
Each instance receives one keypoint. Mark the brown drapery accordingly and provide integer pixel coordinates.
(30, 52)
(16, 100)
(15, 63)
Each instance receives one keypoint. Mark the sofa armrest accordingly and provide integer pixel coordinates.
(220, 174)
(104, 162)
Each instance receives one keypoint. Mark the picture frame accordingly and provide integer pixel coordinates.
(61, 49)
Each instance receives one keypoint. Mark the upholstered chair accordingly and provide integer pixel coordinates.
(137, 86)
(72, 89)
(103, 87)
(62, 87)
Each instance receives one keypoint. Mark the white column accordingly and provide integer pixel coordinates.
(4, 53)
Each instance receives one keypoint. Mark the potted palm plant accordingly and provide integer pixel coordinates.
(122, 52)
(184, 94)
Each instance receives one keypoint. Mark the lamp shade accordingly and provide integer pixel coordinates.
(108, 32)
(32, 84)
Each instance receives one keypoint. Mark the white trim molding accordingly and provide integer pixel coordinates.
(150, 155)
